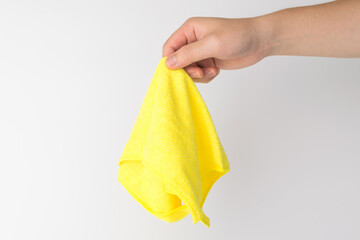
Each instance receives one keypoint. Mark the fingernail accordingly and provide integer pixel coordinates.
(211, 73)
(194, 75)
(171, 60)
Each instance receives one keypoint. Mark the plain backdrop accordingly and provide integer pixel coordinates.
(73, 75)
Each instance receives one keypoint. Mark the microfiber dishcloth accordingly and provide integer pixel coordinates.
(173, 156)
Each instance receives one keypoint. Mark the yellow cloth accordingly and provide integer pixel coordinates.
(173, 156)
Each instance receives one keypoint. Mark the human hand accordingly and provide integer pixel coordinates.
(203, 46)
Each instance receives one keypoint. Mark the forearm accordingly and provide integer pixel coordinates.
(328, 30)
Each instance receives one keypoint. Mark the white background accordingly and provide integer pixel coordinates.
(73, 75)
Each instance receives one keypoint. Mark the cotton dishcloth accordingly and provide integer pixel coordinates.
(173, 156)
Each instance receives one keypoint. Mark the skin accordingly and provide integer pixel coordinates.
(203, 46)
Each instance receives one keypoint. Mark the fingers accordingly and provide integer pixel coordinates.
(209, 74)
(185, 34)
(184, 50)
(202, 75)
(191, 53)
(194, 71)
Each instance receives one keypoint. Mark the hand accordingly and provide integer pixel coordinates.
(203, 46)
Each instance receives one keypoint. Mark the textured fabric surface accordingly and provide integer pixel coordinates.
(173, 156)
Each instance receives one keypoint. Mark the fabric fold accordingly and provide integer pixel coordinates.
(173, 156)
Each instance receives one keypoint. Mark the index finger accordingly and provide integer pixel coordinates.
(182, 36)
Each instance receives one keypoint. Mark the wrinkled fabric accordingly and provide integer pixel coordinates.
(173, 156)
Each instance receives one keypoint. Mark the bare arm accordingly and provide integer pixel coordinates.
(203, 46)
(327, 30)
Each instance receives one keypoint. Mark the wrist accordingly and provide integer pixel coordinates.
(268, 34)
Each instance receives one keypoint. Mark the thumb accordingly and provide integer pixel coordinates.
(190, 53)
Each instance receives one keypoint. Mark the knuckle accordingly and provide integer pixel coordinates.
(165, 46)
(191, 20)
(203, 80)
(207, 81)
